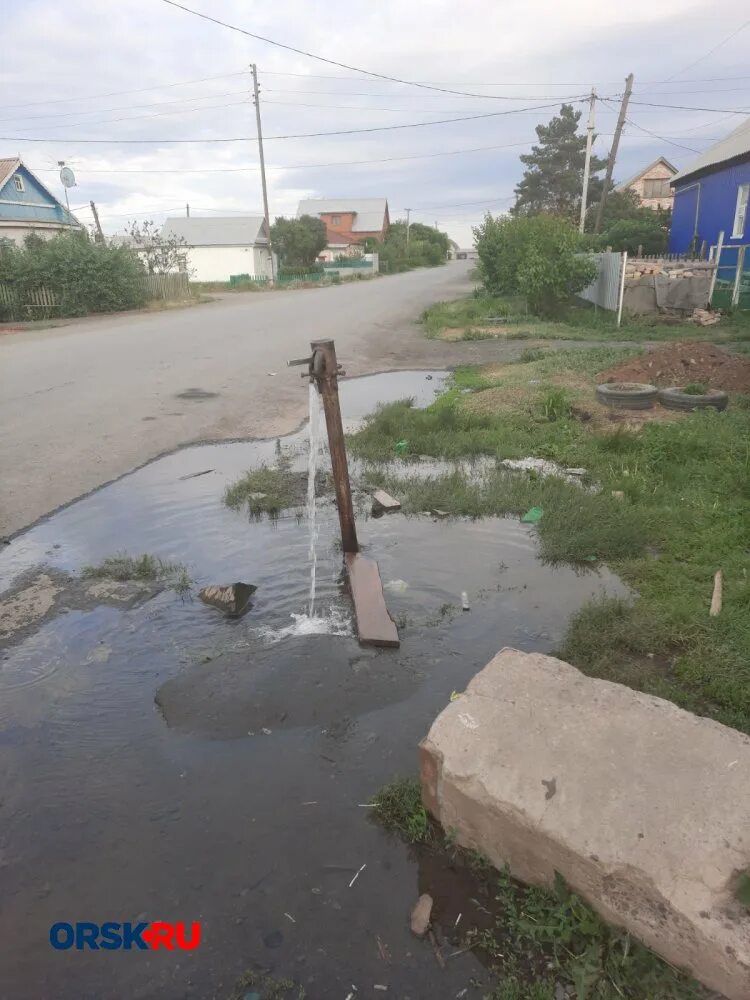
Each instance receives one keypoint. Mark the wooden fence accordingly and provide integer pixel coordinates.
(42, 303)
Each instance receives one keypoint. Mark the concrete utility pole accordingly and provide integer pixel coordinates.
(187, 210)
(587, 164)
(613, 151)
(256, 102)
(408, 223)
(99, 233)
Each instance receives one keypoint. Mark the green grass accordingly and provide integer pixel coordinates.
(536, 937)
(683, 516)
(695, 389)
(269, 489)
(398, 807)
(147, 568)
(579, 321)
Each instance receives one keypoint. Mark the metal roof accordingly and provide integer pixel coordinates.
(7, 168)
(223, 231)
(369, 213)
(645, 170)
(737, 143)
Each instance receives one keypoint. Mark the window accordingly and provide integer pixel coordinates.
(335, 220)
(740, 212)
(18, 181)
(656, 187)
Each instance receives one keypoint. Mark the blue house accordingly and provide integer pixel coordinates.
(711, 195)
(27, 206)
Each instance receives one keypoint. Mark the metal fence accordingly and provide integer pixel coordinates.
(608, 287)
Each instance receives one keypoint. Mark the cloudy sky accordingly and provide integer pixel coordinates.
(138, 70)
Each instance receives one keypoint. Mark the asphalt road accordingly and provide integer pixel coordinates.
(84, 403)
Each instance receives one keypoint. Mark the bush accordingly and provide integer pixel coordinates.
(84, 276)
(539, 256)
(301, 271)
(630, 234)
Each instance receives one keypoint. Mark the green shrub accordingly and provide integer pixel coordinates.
(539, 256)
(84, 276)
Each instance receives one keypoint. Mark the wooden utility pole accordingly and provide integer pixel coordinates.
(587, 163)
(408, 224)
(325, 372)
(99, 233)
(256, 101)
(187, 210)
(613, 150)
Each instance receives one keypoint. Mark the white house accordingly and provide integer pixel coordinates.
(217, 248)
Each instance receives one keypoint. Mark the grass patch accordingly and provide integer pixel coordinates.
(147, 568)
(398, 807)
(682, 515)
(534, 938)
(579, 321)
(269, 489)
(253, 983)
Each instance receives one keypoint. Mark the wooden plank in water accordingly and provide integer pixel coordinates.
(374, 625)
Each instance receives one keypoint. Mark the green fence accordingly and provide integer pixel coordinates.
(732, 285)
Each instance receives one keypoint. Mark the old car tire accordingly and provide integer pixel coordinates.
(627, 395)
(676, 399)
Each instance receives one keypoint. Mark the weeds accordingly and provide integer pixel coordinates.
(398, 807)
(694, 389)
(269, 489)
(556, 404)
(147, 568)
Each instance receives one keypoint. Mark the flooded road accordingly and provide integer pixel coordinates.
(162, 762)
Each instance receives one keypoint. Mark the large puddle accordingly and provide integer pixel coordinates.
(162, 762)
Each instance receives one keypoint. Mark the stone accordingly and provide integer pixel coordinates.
(648, 820)
(231, 598)
(383, 502)
(420, 915)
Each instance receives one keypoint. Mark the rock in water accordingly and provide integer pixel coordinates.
(231, 598)
(420, 915)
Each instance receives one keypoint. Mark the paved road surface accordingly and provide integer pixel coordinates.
(85, 403)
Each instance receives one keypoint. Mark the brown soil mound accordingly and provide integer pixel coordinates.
(681, 363)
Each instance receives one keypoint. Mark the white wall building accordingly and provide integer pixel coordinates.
(217, 248)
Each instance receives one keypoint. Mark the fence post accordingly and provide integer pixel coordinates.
(719, 247)
(622, 288)
(738, 275)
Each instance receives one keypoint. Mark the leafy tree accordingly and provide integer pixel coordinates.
(427, 247)
(627, 225)
(538, 257)
(83, 275)
(161, 254)
(298, 242)
(553, 179)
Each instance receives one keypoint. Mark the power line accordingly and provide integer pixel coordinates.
(130, 107)
(312, 55)
(710, 51)
(653, 134)
(120, 93)
(483, 97)
(157, 114)
(683, 107)
(300, 135)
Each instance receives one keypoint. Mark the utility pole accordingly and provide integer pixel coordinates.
(187, 210)
(256, 101)
(613, 150)
(408, 223)
(100, 234)
(587, 164)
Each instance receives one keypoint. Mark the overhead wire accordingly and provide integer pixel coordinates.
(324, 59)
(300, 135)
(710, 51)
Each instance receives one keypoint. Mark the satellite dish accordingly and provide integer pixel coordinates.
(67, 177)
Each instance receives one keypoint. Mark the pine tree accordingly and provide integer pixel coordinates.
(553, 177)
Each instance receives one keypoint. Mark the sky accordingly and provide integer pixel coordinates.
(133, 70)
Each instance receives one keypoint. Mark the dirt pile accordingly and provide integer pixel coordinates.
(679, 363)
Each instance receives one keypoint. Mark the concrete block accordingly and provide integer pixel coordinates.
(641, 806)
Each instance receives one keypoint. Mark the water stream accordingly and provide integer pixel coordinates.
(312, 468)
